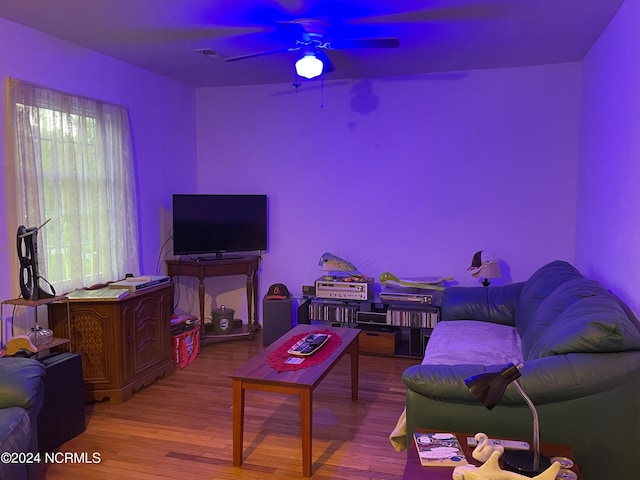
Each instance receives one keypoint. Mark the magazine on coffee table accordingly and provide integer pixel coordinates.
(439, 450)
(309, 344)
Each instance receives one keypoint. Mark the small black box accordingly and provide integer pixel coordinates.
(371, 317)
(62, 414)
(277, 319)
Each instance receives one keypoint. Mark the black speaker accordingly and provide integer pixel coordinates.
(277, 319)
(62, 414)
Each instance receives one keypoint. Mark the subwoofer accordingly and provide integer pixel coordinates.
(62, 415)
(277, 319)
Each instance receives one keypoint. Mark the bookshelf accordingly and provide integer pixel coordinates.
(399, 328)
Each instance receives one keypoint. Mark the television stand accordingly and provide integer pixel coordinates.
(221, 267)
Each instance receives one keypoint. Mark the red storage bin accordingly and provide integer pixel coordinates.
(186, 339)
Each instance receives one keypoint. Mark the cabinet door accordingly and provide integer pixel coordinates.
(143, 321)
(93, 335)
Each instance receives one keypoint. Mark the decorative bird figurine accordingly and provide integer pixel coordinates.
(491, 471)
(331, 263)
(430, 283)
(483, 450)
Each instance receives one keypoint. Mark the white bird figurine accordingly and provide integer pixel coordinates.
(484, 449)
(491, 471)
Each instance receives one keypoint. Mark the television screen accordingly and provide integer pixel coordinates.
(214, 224)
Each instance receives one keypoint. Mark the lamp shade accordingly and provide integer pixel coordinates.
(489, 388)
(488, 270)
(484, 264)
(309, 66)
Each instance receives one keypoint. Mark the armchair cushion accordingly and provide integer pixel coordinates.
(21, 383)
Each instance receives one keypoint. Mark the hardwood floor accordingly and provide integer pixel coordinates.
(180, 426)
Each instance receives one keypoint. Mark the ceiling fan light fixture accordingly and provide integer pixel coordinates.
(309, 66)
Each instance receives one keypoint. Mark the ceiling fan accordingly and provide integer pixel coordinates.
(310, 38)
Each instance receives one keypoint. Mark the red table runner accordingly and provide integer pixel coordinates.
(277, 358)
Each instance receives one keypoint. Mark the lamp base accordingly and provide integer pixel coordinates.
(521, 461)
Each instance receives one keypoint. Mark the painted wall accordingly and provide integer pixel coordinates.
(608, 226)
(162, 114)
(407, 174)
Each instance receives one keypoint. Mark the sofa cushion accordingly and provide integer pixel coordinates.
(495, 304)
(593, 324)
(536, 289)
(553, 306)
(470, 342)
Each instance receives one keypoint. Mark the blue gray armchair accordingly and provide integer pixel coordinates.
(21, 397)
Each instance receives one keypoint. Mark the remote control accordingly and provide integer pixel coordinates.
(309, 345)
(507, 444)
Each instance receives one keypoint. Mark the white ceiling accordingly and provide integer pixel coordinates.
(435, 35)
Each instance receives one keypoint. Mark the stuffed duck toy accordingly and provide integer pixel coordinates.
(484, 449)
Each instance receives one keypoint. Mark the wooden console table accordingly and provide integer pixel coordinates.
(246, 265)
(125, 344)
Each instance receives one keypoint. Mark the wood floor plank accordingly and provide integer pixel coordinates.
(181, 426)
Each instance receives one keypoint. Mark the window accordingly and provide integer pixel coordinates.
(73, 165)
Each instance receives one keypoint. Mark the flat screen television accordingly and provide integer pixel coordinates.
(213, 224)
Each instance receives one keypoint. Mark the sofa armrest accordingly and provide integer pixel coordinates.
(21, 383)
(559, 378)
(547, 380)
(444, 382)
(486, 304)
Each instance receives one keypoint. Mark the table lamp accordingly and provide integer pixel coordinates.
(485, 265)
(489, 389)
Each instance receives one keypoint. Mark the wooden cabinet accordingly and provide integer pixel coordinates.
(125, 344)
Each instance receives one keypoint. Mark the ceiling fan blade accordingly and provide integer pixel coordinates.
(295, 30)
(362, 43)
(262, 54)
(433, 14)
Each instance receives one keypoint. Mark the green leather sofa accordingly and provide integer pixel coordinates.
(580, 346)
(21, 397)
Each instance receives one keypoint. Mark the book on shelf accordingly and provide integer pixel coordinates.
(439, 450)
(99, 294)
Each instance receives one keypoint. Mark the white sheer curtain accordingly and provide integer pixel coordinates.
(74, 165)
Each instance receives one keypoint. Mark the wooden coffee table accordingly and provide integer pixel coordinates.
(256, 374)
(415, 471)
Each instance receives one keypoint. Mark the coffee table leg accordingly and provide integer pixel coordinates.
(238, 421)
(306, 427)
(354, 352)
